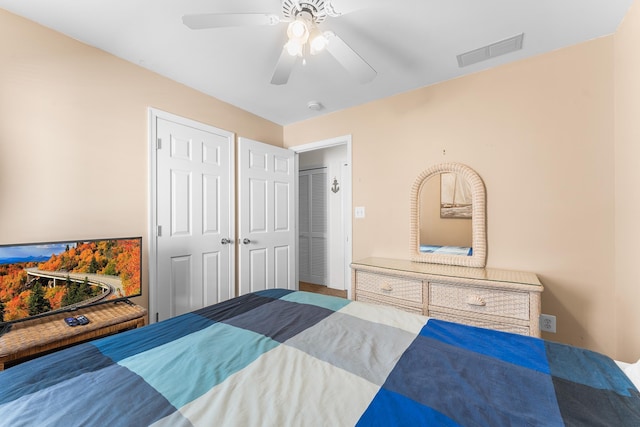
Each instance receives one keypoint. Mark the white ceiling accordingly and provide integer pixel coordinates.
(410, 43)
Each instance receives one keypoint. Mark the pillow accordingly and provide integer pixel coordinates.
(632, 370)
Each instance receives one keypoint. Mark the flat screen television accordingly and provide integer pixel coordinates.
(37, 279)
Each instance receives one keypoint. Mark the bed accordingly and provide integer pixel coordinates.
(446, 250)
(289, 358)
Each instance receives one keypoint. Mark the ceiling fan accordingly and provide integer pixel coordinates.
(305, 36)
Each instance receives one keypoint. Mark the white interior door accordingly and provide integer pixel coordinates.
(267, 206)
(194, 214)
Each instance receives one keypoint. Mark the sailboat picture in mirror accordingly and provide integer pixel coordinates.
(455, 196)
(448, 216)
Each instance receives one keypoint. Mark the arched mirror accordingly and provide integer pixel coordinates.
(448, 217)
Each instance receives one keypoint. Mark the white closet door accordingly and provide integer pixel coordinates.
(266, 229)
(312, 216)
(194, 197)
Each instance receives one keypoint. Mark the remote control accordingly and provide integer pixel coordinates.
(82, 320)
(71, 321)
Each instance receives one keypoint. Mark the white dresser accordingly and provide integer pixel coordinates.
(496, 299)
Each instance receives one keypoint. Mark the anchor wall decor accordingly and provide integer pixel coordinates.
(335, 188)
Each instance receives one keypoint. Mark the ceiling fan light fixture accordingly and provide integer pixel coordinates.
(294, 47)
(318, 43)
(298, 30)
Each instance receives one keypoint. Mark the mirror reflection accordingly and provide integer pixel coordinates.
(446, 207)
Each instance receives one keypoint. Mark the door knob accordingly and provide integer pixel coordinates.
(246, 241)
(225, 241)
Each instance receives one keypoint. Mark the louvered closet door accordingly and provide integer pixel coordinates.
(313, 226)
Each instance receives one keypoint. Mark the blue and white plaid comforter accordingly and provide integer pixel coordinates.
(282, 358)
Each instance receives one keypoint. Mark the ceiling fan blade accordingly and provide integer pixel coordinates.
(349, 59)
(342, 7)
(283, 68)
(220, 20)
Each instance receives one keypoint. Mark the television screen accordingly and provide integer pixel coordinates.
(40, 278)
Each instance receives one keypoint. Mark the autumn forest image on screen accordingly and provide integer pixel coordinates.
(39, 278)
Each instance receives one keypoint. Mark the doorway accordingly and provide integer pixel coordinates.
(335, 156)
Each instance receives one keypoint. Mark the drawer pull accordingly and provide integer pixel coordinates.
(476, 300)
(386, 287)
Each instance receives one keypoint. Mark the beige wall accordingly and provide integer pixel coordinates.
(554, 138)
(627, 184)
(73, 136)
(540, 134)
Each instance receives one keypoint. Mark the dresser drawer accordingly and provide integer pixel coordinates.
(391, 286)
(479, 300)
(482, 323)
(388, 302)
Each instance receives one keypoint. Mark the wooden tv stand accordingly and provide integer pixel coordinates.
(35, 337)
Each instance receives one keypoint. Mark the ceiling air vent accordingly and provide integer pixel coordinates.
(491, 51)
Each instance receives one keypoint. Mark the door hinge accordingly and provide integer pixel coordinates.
(159, 144)
(159, 231)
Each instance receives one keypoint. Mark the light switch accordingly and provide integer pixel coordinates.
(359, 211)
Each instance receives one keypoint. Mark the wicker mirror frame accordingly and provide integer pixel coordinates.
(478, 219)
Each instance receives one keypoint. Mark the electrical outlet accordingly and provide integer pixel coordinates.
(548, 323)
(359, 212)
